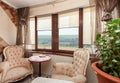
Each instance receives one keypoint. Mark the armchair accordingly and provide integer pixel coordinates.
(73, 71)
(15, 66)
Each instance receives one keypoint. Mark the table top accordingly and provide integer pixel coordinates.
(39, 58)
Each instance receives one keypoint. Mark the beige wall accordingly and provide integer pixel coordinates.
(7, 28)
(58, 7)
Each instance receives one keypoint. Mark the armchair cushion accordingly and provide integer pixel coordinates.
(63, 68)
(13, 74)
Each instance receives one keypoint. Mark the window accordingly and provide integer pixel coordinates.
(32, 32)
(88, 27)
(68, 30)
(44, 32)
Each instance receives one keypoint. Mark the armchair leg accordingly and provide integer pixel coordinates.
(32, 77)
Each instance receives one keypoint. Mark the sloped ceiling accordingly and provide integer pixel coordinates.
(26, 3)
(29, 3)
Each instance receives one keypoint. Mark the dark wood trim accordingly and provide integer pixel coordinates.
(80, 27)
(55, 39)
(54, 53)
(58, 51)
(36, 36)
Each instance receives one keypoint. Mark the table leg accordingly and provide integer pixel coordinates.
(39, 69)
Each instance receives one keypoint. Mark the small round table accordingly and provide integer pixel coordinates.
(39, 59)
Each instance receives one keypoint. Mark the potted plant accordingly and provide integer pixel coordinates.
(108, 49)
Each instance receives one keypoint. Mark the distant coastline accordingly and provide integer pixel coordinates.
(65, 41)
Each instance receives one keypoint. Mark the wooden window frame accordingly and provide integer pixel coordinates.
(55, 34)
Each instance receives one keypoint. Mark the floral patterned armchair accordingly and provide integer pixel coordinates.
(15, 66)
(73, 71)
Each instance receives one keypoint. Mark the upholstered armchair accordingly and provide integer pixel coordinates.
(73, 71)
(15, 66)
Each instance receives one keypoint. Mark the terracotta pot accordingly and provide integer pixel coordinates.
(104, 77)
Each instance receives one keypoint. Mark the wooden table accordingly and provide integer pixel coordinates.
(39, 59)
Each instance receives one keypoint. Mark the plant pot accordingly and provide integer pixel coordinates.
(104, 77)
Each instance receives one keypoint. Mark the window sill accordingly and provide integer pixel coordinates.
(61, 53)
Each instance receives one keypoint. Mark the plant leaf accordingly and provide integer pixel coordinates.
(117, 31)
(115, 74)
(114, 60)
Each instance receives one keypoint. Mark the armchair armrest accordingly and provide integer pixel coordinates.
(79, 79)
(63, 68)
(4, 66)
(27, 63)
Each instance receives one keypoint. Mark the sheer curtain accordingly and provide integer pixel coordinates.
(107, 7)
(22, 30)
(104, 12)
(118, 8)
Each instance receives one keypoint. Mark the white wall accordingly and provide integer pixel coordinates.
(7, 28)
(58, 7)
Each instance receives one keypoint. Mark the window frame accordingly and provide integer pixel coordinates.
(55, 34)
(36, 32)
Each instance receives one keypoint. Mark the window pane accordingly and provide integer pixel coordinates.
(32, 32)
(44, 39)
(69, 19)
(68, 30)
(68, 38)
(44, 23)
(44, 32)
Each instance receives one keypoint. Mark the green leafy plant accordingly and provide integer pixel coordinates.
(108, 48)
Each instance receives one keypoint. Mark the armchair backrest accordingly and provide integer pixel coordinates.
(80, 61)
(13, 52)
(14, 55)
